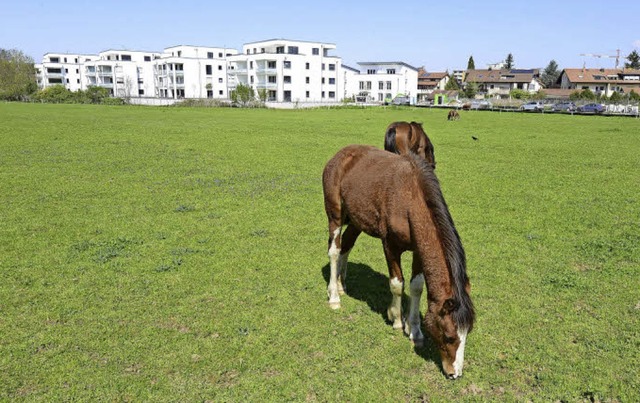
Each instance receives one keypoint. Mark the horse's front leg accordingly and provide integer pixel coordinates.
(412, 326)
(348, 239)
(396, 284)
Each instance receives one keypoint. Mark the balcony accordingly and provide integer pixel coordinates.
(269, 86)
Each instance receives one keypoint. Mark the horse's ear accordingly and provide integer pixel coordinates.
(449, 306)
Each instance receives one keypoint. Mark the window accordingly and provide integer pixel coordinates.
(54, 59)
(208, 69)
(388, 85)
(315, 51)
(391, 71)
(306, 66)
(179, 67)
(220, 92)
(380, 85)
(322, 94)
(322, 66)
(293, 50)
(55, 81)
(220, 55)
(220, 80)
(287, 64)
(307, 80)
(332, 81)
(332, 94)
(371, 71)
(271, 65)
(332, 67)
(54, 71)
(179, 53)
(251, 79)
(271, 79)
(67, 81)
(66, 71)
(262, 50)
(287, 96)
(209, 93)
(210, 56)
(65, 59)
(307, 94)
(287, 79)
(322, 80)
(140, 92)
(126, 58)
(280, 49)
(77, 71)
(251, 65)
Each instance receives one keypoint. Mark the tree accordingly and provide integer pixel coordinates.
(17, 75)
(615, 97)
(634, 96)
(471, 65)
(452, 84)
(242, 94)
(470, 90)
(508, 63)
(587, 94)
(550, 75)
(634, 61)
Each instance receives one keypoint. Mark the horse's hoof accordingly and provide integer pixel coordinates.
(418, 343)
(397, 325)
(334, 305)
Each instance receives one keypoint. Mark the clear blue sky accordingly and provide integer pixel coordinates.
(438, 35)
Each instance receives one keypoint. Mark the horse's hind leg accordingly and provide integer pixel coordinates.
(334, 257)
(396, 284)
(348, 240)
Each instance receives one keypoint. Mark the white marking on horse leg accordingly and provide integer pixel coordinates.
(334, 256)
(412, 325)
(459, 362)
(395, 309)
(342, 272)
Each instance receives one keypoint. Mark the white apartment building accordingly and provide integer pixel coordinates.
(62, 69)
(289, 71)
(192, 72)
(383, 81)
(124, 73)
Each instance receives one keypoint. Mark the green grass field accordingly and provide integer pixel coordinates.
(177, 254)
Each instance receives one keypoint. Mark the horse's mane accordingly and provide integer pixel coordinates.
(464, 315)
(390, 139)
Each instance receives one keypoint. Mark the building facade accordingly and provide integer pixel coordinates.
(601, 81)
(383, 81)
(501, 82)
(284, 70)
(63, 69)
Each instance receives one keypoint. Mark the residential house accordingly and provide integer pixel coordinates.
(289, 70)
(430, 82)
(383, 81)
(500, 83)
(601, 81)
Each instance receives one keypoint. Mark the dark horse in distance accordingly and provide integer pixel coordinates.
(397, 198)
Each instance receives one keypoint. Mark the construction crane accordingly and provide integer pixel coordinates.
(599, 56)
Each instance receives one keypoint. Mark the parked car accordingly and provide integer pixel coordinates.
(535, 106)
(591, 108)
(565, 106)
(399, 100)
(480, 104)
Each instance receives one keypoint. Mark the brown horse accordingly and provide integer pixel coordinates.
(402, 137)
(397, 198)
(453, 115)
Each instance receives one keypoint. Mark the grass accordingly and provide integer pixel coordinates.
(161, 254)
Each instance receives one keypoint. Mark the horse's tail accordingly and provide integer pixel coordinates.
(454, 253)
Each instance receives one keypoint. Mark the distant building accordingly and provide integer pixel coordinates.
(289, 71)
(601, 81)
(63, 69)
(501, 82)
(124, 73)
(428, 82)
(383, 81)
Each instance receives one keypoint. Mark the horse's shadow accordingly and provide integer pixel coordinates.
(367, 285)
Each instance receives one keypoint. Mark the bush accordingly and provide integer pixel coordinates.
(519, 94)
(93, 95)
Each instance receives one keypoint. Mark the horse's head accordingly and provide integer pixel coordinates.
(421, 144)
(447, 335)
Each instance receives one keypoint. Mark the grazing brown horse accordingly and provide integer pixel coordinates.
(397, 198)
(403, 137)
(453, 115)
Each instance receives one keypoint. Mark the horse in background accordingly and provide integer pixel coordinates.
(397, 198)
(453, 115)
(405, 137)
